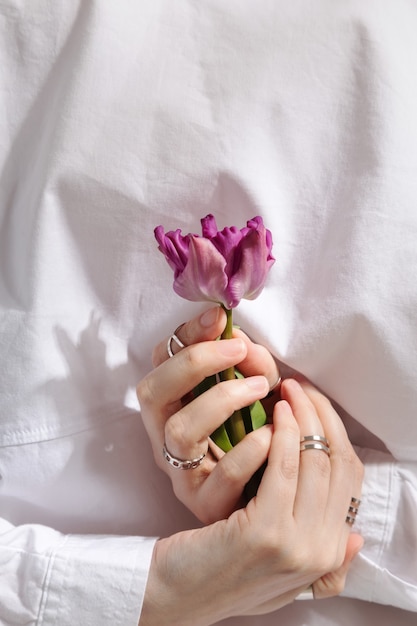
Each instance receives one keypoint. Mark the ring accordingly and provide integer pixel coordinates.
(352, 511)
(172, 338)
(184, 464)
(275, 387)
(315, 442)
(277, 384)
(307, 594)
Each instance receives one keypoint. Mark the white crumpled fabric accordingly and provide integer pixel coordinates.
(119, 116)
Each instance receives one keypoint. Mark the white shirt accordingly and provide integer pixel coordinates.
(117, 117)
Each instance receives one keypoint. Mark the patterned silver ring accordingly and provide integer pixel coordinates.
(184, 464)
(352, 511)
(174, 338)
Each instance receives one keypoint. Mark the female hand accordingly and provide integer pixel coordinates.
(214, 489)
(291, 535)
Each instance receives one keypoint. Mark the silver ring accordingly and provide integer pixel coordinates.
(307, 594)
(275, 388)
(172, 338)
(315, 438)
(315, 442)
(184, 464)
(352, 511)
(315, 446)
(276, 385)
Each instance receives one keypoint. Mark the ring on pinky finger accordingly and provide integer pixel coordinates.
(352, 511)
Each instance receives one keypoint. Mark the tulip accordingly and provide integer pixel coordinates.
(219, 266)
(222, 266)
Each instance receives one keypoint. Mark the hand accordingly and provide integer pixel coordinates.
(213, 490)
(291, 535)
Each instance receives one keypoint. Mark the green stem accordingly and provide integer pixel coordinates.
(235, 425)
(229, 373)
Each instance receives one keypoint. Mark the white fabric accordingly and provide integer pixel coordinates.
(47, 578)
(118, 116)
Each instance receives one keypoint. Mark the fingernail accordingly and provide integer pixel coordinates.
(292, 384)
(257, 383)
(208, 318)
(230, 347)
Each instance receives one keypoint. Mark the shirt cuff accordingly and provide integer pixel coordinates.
(97, 580)
(373, 575)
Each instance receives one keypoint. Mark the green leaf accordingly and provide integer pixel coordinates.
(221, 438)
(205, 385)
(254, 416)
(258, 414)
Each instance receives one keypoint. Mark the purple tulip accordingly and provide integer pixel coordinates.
(219, 266)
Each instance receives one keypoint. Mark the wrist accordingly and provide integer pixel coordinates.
(177, 592)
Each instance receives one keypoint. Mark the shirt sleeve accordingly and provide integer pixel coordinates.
(47, 578)
(385, 570)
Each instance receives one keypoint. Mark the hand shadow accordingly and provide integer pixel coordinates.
(109, 466)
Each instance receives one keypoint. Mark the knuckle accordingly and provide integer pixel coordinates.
(145, 391)
(266, 546)
(230, 472)
(338, 585)
(330, 585)
(348, 457)
(193, 357)
(320, 462)
(175, 430)
(226, 389)
(289, 464)
(289, 467)
(258, 442)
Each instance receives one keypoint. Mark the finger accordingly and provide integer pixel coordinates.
(167, 384)
(313, 483)
(277, 491)
(258, 360)
(207, 326)
(225, 485)
(333, 583)
(329, 585)
(347, 470)
(187, 431)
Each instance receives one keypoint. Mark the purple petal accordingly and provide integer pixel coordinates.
(209, 226)
(227, 243)
(174, 246)
(256, 223)
(221, 266)
(255, 263)
(204, 276)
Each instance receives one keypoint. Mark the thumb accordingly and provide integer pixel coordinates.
(333, 583)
